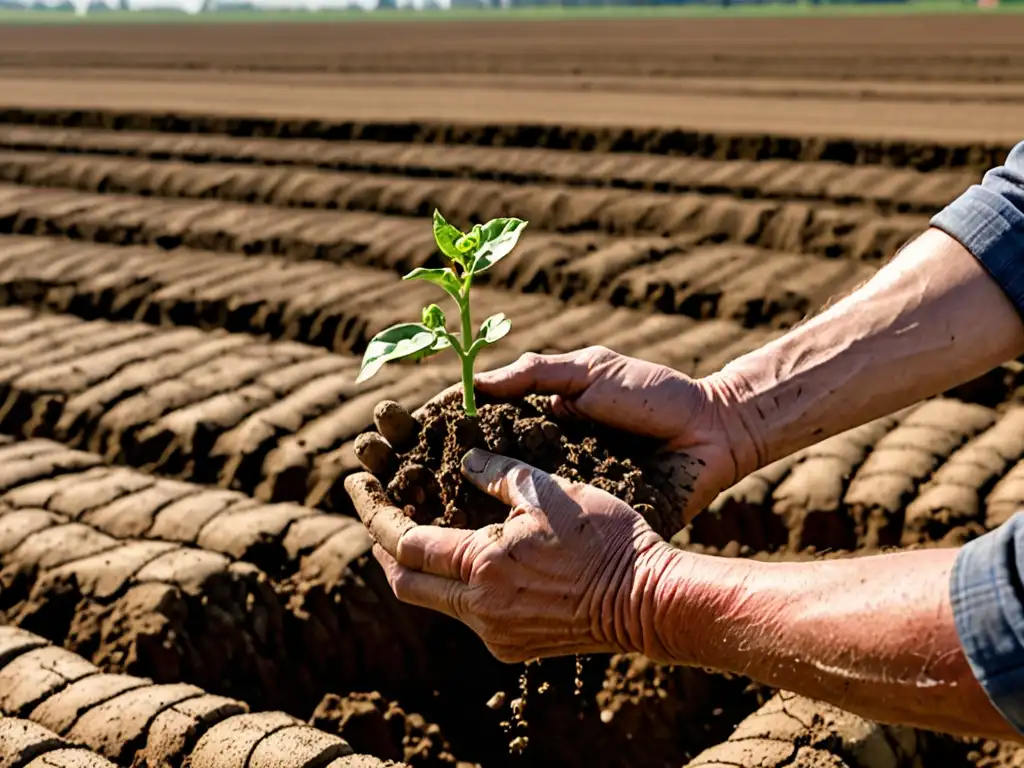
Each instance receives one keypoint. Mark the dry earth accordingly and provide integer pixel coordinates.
(200, 229)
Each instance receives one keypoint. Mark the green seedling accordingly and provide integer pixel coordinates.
(470, 253)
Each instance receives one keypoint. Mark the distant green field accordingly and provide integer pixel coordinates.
(548, 13)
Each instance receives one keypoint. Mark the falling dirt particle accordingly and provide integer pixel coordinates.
(496, 700)
(518, 745)
(518, 705)
(544, 687)
(606, 716)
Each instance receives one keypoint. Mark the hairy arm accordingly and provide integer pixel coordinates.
(932, 638)
(874, 635)
(930, 319)
(945, 310)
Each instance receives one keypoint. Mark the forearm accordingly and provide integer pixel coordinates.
(929, 320)
(873, 635)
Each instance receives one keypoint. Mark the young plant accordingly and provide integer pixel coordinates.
(470, 253)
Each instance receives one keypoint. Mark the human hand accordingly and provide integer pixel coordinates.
(707, 446)
(397, 430)
(572, 570)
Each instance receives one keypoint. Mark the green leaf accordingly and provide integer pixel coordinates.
(445, 278)
(394, 343)
(494, 328)
(446, 236)
(497, 239)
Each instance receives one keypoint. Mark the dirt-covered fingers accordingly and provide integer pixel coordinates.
(397, 430)
(430, 549)
(425, 590)
(376, 455)
(395, 424)
(386, 522)
(513, 482)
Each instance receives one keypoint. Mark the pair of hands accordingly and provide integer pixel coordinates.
(573, 569)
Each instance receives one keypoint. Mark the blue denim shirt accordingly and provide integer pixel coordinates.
(986, 586)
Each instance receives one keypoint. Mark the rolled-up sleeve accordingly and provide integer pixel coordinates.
(988, 607)
(988, 220)
(987, 583)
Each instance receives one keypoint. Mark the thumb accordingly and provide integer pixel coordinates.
(513, 482)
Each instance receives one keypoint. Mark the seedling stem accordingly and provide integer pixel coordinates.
(469, 356)
(470, 253)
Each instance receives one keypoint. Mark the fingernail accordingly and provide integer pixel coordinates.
(475, 461)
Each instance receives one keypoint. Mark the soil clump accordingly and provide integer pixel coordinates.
(430, 487)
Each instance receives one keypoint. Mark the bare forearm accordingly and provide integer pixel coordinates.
(874, 635)
(929, 320)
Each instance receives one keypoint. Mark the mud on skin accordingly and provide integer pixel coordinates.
(430, 487)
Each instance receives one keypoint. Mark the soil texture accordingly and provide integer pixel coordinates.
(201, 227)
(430, 486)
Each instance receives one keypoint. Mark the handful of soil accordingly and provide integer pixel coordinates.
(427, 482)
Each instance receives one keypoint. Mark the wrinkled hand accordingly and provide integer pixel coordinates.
(707, 446)
(572, 569)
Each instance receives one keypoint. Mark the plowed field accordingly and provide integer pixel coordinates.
(201, 227)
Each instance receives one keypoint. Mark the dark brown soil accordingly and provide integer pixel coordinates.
(672, 223)
(430, 486)
(375, 726)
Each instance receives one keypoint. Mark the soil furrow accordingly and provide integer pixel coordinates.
(165, 612)
(126, 503)
(277, 418)
(162, 608)
(25, 744)
(954, 496)
(132, 721)
(794, 731)
(173, 613)
(942, 471)
(165, 401)
(887, 189)
(753, 145)
(171, 508)
(849, 232)
(266, 295)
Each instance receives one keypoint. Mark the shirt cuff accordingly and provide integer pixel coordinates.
(991, 227)
(988, 608)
